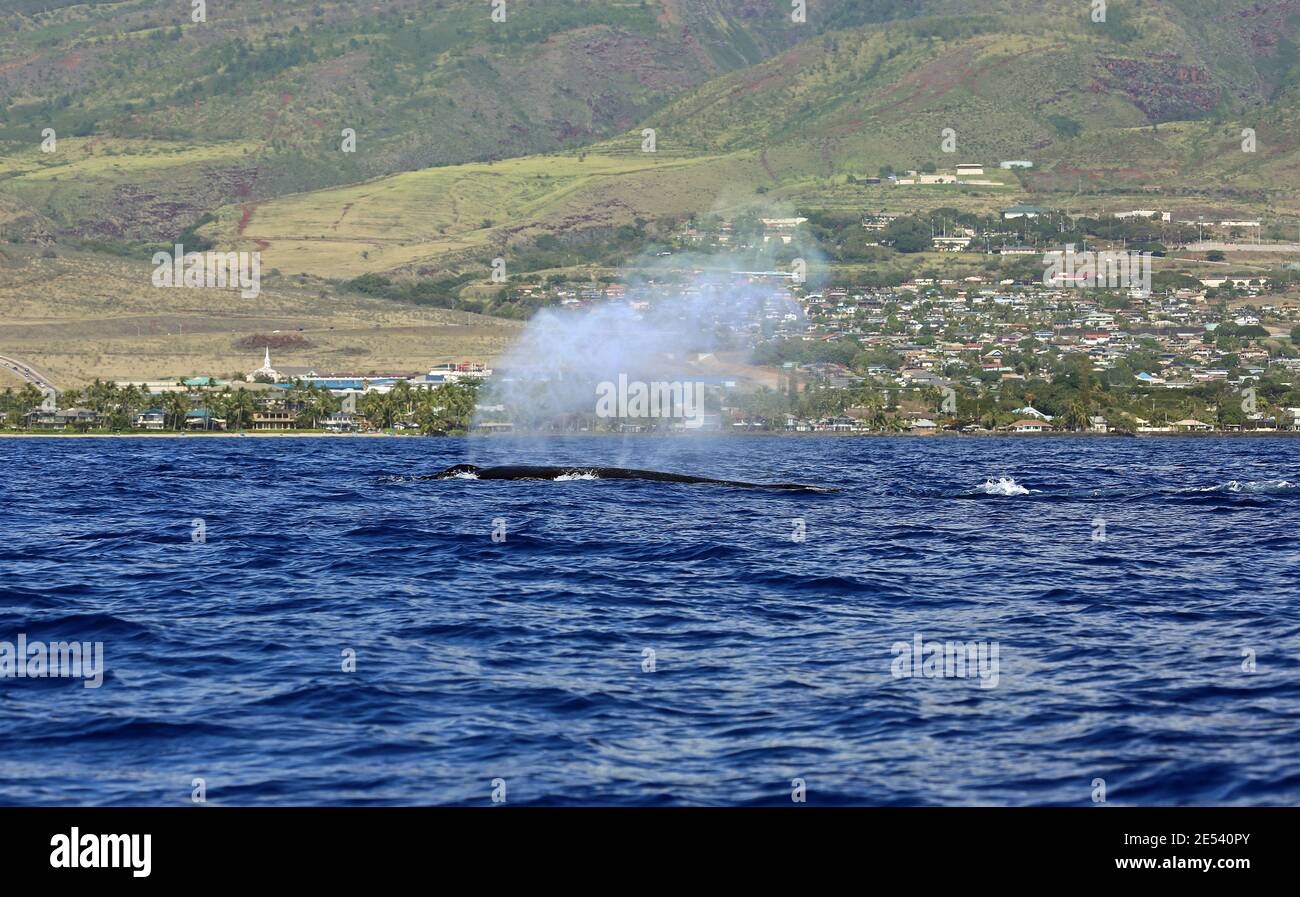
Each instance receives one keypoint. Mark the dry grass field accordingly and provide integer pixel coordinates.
(81, 316)
(428, 217)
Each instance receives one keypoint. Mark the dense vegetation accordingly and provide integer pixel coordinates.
(445, 409)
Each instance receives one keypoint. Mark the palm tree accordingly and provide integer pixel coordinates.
(242, 407)
(99, 395)
(878, 420)
(175, 406)
(29, 398)
(217, 406)
(447, 408)
(379, 409)
(1075, 416)
(401, 396)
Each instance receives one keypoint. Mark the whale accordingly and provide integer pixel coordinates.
(534, 472)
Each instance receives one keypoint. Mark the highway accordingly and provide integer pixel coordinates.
(26, 371)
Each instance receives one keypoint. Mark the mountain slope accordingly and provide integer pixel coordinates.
(743, 102)
(1089, 103)
(268, 87)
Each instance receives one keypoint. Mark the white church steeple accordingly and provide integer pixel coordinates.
(265, 370)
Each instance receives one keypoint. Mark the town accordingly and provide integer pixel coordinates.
(1034, 321)
(1025, 332)
(265, 400)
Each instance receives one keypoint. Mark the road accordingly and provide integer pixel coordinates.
(1208, 246)
(27, 372)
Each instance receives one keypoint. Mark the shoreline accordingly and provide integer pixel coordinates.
(271, 434)
(197, 435)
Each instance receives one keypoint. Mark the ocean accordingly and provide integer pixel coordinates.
(993, 621)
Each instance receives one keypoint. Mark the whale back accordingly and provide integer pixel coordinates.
(538, 472)
(458, 470)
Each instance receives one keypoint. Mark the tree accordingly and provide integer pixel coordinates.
(909, 234)
(1075, 417)
(26, 400)
(447, 408)
(240, 409)
(175, 406)
(378, 409)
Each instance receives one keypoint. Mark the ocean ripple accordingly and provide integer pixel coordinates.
(338, 632)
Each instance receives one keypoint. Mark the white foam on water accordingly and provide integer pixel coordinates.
(1252, 486)
(576, 475)
(1002, 486)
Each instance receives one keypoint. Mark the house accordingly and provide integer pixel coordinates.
(923, 427)
(1191, 425)
(82, 418)
(783, 229)
(1017, 163)
(202, 419)
(951, 244)
(970, 169)
(342, 422)
(1030, 425)
(150, 419)
(1098, 424)
(1149, 214)
(496, 426)
(154, 387)
(928, 179)
(1022, 212)
(877, 222)
(274, 420)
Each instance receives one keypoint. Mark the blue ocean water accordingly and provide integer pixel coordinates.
(1141, 595)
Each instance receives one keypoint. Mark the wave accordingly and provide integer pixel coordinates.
(1249, 486)
(577, 475)
(1002, 486)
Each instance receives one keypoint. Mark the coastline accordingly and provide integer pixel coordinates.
(307, 434)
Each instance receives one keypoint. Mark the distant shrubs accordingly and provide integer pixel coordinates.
(949, 29)
(1065, 126)
(909, 234)
(190, 239)
(274, 341)
(438, 292)
(1119, 23)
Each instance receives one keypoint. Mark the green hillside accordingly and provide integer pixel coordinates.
(1039, 83)
(265, 89)
(476, 136)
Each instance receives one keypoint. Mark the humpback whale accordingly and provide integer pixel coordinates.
(527, 472)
